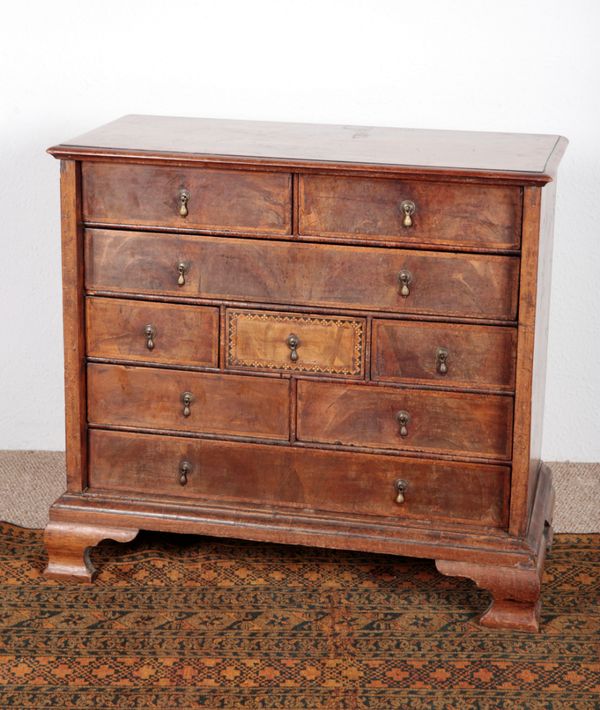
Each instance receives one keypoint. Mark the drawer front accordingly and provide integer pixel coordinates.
(220, 404)
(230, 473)
(165, 333)
(255, 270)
(217, 200)
(264, 340)
(471, 216)
(444, 354)
(436, 422)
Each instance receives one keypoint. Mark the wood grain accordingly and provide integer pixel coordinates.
(327, 345)
(220, 200)
(515, 589)
(523, 158)
(68, 544)
(479, 357)
(221, 404)
(468, 424)
(538, 227)
(414, 537)
(261, 271)
(73, 325)
(278, 454)
(183, 335)
(310, 480)
(473, 216)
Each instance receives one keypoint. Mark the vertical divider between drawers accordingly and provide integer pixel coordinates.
(222, 338)
(368, 347)
(293, 408)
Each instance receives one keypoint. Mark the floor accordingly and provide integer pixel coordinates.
(177, 621)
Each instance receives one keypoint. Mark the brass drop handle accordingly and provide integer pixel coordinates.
(185, 468)
(184, 198)
(400, 487)
(441, 360)
(187, 398)
(150, 333)
(293, 342)
(408, 208)
(181, 269)
(403, 419)
(405, 279)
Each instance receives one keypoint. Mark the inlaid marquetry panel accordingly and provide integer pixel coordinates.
(271, 340)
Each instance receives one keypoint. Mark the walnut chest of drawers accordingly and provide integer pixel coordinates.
(320, 335)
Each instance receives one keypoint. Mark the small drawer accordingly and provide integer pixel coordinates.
(194, 402)
(267, 340)
(308, 480)
(428, 213)
(187, 198)
(404, 419)
(444, 354)
(278, 272)
(164, 333)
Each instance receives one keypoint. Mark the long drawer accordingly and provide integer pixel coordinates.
(405, 419)
(188, 401)
(417, 212)
(255, 270)
(307, 479)
(187, 198)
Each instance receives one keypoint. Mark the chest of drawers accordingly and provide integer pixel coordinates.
(317, 335)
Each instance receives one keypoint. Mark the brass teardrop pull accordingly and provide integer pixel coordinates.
(400, 485)
(150, 333)
(184, 198)
(408, 208)
(181, 269)
(441, 360)
(293, 342)
(405, 279)
(185, 468)
(187, 398)
(403, 419)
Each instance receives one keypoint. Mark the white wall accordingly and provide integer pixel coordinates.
(512, 65)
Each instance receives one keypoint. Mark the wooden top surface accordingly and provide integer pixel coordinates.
(531, 157)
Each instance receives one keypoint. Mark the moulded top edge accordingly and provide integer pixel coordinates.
(513, 156)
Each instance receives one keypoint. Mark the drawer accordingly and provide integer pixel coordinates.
(164, 333)
(437, 422)
(217, 200)
(444, 354)
(266, 340)
(273, 272)
(150, 398)
(232, 473)
(469, 216)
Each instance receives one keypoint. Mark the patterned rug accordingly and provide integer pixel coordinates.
(187, 622)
